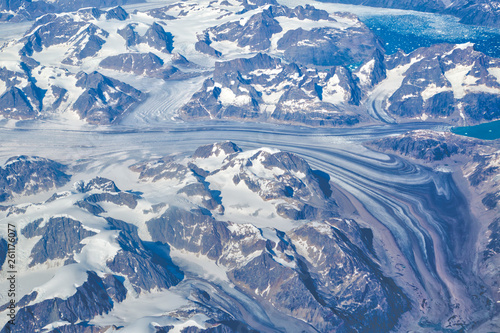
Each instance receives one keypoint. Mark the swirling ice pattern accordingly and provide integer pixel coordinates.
(415, 204)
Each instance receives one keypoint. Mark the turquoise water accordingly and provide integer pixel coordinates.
(486, 131)
(411, 31)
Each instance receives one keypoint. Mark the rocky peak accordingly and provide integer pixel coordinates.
(101, 184)
(89, 13)
(216, 149)
(117, 13)
(30, 175)
(445, 81)
(158, 38)
(263, 87)
(129, 34)
(104, 99)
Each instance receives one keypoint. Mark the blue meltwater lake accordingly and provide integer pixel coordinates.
(486, 131)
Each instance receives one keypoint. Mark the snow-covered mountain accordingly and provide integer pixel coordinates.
(263, 223)
(451, 82)
(477, 12)
(24, 175)
(259, 62)
(242, 240)
(21, 10)
(155, 222)
(265, 88)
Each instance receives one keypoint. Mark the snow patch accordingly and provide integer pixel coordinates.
(228, 97)
(432, 90)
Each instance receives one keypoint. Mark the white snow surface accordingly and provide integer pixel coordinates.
(54, 279)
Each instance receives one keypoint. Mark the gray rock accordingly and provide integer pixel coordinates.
(30, 175)
(297, 185)
(117, 13)
(71, 5)
(479, 12)
(307, 194)
(101, 184)
(256, 32)
(491, 200)
(207, 234)
(80, 328)
(11, 5)
(92, 46)
(115, 288)
(309, 12)
(137, 63)
(378, 72)
(302, 13)
(483, 172)
(24, 10)
(86, 38)
(130, 35)
(315, 290)
(427, 6)
(308, 96)
(347, 281)
(170, 72)
(163, 168)
(105, 99)
(287, 292)
(210, 199)
(90, 13)
(89, 42)
(92, 208)
(22, 99)
(61, 237)
(15, 105)
(262, 273)
(29, 62)
(482, 106)
(427, 89)
(428, 149)
(253, 4)
(204, 47)
(226, 326)
(181, 61)
(146, 266)
(91, 299)
(60, 94)
(226, 147)
(52, 30)
(493, 246)
(3, 251)
(157, 38)
(120, 199)
(329, 46)
(289, 111)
